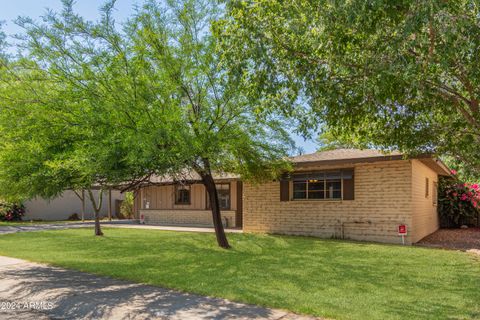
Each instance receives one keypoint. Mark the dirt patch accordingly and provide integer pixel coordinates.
(461, 239)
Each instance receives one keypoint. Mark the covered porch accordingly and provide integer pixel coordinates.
(186, 204)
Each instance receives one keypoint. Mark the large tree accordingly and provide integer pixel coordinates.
(395, 74)
(152, 93)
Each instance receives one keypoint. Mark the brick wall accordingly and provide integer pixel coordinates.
(425, 216)
(383, 200)
(201, 218)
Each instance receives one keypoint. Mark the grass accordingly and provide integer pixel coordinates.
(328, 278)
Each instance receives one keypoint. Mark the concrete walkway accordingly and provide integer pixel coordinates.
(110, 224)
(172, 228)
(43, 292)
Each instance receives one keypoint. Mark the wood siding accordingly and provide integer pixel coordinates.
(163, 197)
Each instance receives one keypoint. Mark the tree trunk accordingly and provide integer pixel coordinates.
(83, 205)
(96, 210)
(209, 184)
(82, 199)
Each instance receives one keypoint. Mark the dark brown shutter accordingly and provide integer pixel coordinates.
(239, 213)
(285, 188)
(349, 185)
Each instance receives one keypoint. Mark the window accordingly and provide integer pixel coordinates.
(435, 194)
(427, 187)
(182, 194)
(223, 191)
(320, 185)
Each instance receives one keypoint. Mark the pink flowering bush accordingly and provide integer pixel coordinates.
(459, 203)
(11, 211)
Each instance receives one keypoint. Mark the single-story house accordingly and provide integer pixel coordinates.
(344, 193)
(68, 203)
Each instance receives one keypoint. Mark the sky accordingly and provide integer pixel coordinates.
(11, 9)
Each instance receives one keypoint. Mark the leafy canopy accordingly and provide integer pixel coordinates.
(394, 74)
(104, 103)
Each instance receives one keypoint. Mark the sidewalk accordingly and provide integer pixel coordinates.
(42, 292)
(170, 228)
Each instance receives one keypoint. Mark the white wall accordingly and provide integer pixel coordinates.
(65, 205)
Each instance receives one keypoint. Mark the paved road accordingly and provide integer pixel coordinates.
(43, 292)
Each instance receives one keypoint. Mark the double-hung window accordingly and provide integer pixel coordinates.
(182, 194)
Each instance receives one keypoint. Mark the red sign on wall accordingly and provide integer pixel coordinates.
(402, 230)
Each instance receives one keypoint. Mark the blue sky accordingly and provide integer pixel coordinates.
(89, 9)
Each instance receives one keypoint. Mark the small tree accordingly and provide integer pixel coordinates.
(45, 147)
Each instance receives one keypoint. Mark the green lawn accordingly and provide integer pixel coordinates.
(329, 278)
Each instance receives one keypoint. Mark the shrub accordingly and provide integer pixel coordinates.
(11, 211)
(459, 203)
(74, 217)
(126, 208)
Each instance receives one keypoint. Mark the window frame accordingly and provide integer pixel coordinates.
(325, 182)
(177, 189)
(427, 187)
(435, 193)
(207, 200)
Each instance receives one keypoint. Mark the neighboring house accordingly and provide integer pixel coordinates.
(344, 193)
(63, 206)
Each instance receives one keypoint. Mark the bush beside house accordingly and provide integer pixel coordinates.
(459, 203)
(11, 211)
(126, 207)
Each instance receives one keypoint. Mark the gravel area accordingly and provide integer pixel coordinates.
(460, 239)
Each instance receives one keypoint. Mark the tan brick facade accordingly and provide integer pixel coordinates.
(384, 194)
(186, 217)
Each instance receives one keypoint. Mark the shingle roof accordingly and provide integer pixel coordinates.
(338, 156)
(344, 154)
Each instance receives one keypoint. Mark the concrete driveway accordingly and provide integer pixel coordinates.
(36, 291)
(42, 227)
(129, 224)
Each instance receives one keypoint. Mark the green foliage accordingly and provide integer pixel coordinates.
(459, 203)
(103, 103)
(328, 141)
(126, 209)
(394, 74)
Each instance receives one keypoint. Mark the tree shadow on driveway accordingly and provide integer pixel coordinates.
(78, 295)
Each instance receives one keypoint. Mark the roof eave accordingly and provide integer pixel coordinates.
(348, 161)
